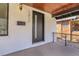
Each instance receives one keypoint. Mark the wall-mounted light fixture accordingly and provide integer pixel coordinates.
(20, 6)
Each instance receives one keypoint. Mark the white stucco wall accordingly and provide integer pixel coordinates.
(20, 37)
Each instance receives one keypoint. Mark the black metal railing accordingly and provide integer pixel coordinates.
(67, 38)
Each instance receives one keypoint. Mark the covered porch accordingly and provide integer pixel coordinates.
(29, 29)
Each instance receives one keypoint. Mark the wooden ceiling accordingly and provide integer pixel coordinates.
(55, 8)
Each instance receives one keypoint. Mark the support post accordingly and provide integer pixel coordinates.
(53, 37)
(65, 40)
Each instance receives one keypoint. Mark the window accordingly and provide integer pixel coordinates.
(75, 26)
(65, 24)
(3, 19)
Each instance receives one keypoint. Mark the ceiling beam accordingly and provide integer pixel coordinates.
(64, 6)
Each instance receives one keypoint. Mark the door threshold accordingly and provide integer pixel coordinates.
(38, 42)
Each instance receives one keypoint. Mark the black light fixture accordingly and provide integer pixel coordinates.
(20, 6)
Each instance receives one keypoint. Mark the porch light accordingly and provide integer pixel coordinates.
(20, 6)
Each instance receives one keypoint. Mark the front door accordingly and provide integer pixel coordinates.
(37, 27)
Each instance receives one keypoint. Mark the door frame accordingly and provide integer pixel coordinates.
(33, 27)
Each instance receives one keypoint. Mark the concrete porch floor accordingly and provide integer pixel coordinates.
(49, 49)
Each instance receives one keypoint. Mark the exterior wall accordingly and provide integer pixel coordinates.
(62, 28)
(74, 37)
(20, 37)
(58, 25)
(59, 29)
(68, 30)
(76, 34)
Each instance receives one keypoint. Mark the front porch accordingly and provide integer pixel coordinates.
(49, 49)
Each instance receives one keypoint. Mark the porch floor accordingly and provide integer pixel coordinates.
(49, 49)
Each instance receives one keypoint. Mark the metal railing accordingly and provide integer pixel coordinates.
(67, 38)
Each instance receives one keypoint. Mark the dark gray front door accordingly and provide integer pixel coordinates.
(37, 27)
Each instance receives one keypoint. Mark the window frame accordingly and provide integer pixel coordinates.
(7, 20)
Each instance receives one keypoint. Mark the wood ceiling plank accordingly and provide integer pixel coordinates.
(68, 9)
(54, 8)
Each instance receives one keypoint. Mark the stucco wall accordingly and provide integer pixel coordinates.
(20, 37)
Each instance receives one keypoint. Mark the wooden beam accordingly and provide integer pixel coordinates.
(61, 8)
(67, 9)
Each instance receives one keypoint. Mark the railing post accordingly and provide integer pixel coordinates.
(65, 40)
(70, 37)
(53, 37)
